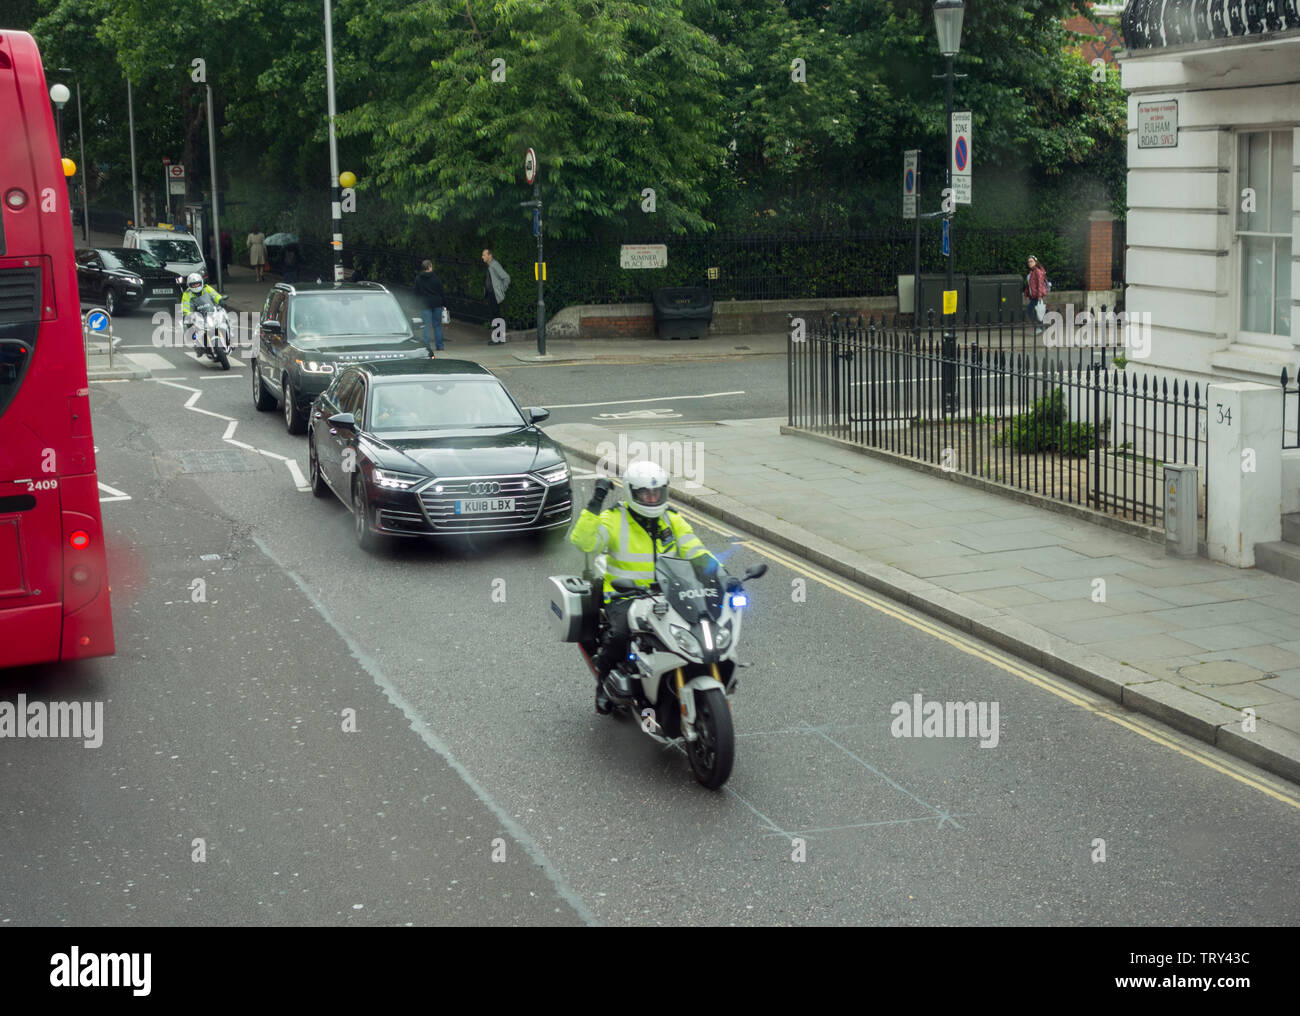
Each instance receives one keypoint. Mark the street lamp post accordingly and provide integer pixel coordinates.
(135, 184)
(81, 140)
(59, 95)
(335, 206)
(948, 16)
(212, 168)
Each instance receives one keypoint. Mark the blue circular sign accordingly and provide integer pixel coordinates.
(959, 151)
(909, 182)
(97, 321)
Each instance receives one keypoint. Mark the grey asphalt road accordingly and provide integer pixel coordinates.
(225, 722)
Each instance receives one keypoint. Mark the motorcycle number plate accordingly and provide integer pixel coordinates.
(485, 505)
(165, 291)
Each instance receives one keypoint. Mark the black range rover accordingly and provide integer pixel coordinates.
(435, 448)
(309, 332)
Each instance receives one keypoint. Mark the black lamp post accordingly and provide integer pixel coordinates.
(948, 16)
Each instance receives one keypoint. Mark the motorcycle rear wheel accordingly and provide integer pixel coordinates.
(713, 752)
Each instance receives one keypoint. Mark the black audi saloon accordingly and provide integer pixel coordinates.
(434, 448)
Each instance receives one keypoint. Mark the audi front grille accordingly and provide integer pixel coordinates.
(440, 506)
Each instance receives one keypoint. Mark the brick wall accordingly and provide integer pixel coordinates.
(1097, 271)
(615, 327)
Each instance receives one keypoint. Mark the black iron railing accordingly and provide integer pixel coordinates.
(1290, 419)
(1067, 423)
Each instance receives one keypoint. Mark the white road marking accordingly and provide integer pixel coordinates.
(116, 495)
(152, 361)
(640, 414)
(109, 380)
(637, 402)
(299, 480)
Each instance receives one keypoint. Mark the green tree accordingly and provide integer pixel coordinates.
(615, 97)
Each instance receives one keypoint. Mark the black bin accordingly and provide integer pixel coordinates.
(994, 295)
(682, 312)
(932, 287)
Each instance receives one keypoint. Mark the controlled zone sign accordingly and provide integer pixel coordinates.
(961, 158)
(909, 183)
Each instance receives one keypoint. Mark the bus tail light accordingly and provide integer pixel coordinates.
(16, 198)
(80, 539)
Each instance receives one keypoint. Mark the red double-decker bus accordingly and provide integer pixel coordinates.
(54, 598)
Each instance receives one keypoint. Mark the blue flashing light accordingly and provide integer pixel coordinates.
(739, 600)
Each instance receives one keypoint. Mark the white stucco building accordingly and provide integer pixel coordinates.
(1214, 185)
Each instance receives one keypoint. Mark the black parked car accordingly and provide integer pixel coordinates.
(435, 448)
(311, 331)
(123, 278)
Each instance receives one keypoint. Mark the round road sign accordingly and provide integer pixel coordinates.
(530, 165)
(97, 320)
(960, 152)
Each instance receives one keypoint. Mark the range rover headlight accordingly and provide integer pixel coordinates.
(316, 367)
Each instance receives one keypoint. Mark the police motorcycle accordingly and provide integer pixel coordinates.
(210, 325)
(681, 661)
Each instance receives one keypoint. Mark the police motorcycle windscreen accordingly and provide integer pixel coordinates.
(687, 593)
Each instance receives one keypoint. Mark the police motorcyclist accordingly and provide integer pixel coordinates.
(194, 288)
(624, 534)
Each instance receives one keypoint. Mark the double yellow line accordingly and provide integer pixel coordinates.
(1103, 708)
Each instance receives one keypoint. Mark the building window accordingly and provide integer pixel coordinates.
(1264, 234)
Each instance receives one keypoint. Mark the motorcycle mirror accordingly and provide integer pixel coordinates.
(756, 571)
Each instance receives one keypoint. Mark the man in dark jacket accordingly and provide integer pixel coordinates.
(428, 290)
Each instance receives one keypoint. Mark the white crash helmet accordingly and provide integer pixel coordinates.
(647, 487)
(194, 282)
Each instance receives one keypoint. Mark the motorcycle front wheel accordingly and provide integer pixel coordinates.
(221, 346)
(714, 749)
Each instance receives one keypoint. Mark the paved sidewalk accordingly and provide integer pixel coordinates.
(1190, 642)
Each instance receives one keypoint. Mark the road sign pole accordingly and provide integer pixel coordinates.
(916, 253)
(948, 372)
(541, 275)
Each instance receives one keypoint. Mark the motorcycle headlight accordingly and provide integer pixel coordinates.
(722, 637)
(555, 474)
(396, 481)
(316, 367)
(686, 642)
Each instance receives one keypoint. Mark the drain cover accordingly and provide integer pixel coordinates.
(221, 460)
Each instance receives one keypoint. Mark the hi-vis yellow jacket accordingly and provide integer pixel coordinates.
(626, 546)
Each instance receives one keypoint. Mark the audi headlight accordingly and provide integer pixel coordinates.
(555, 474)
(396, 481)
(686, 642)
(316, 367)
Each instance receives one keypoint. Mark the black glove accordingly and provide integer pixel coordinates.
(603, 486)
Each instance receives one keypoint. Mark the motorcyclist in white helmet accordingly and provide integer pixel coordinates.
(630, 535)
(194, 288)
